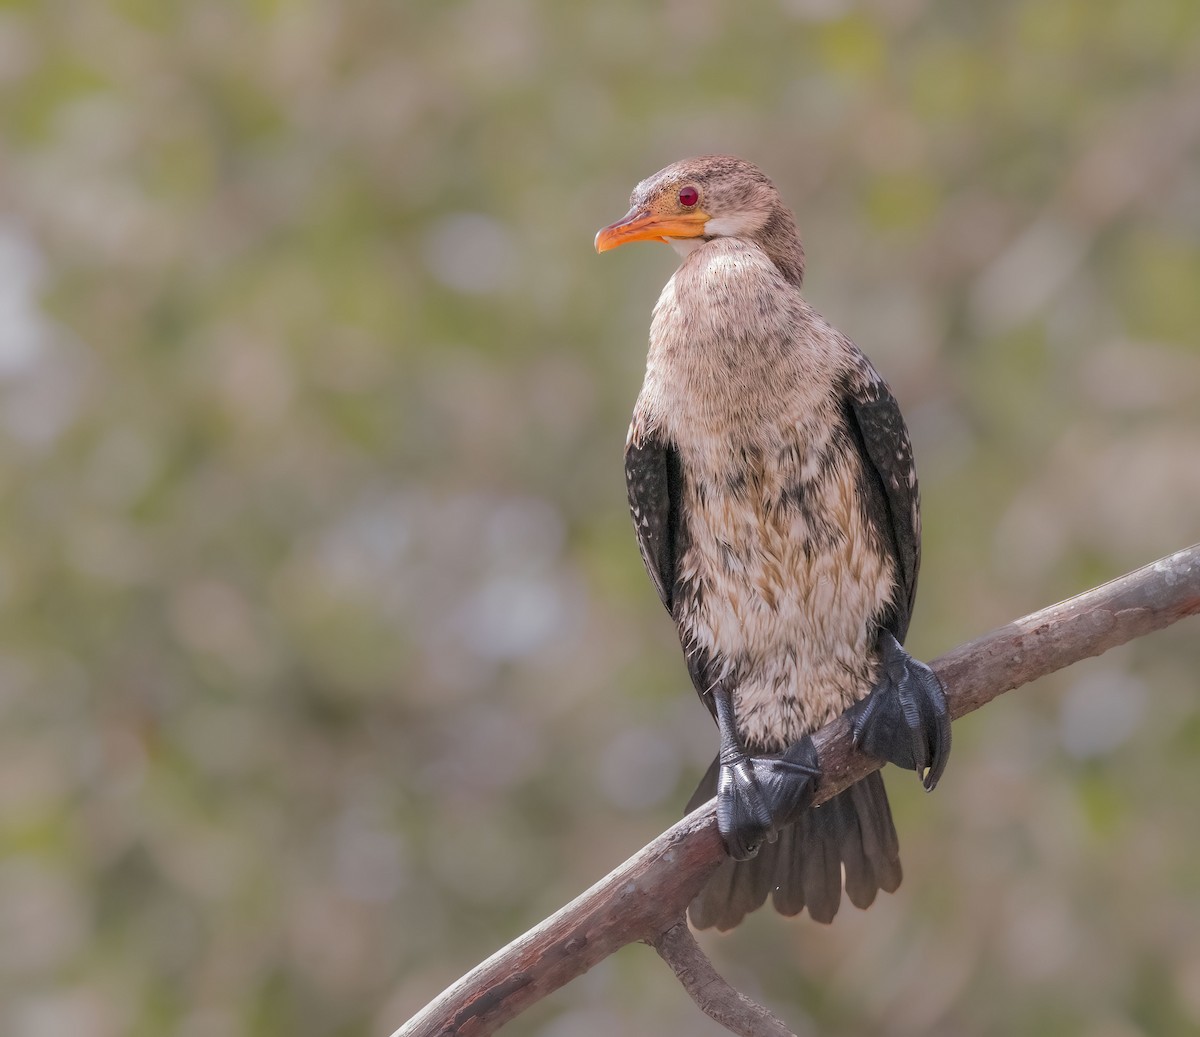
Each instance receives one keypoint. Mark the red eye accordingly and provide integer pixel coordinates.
(688, 196)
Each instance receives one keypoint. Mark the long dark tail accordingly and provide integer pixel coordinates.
(803, 867)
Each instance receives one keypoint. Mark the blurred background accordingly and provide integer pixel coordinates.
(327, 660)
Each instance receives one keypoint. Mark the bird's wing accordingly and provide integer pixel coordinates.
(892, 499)
(654, 481)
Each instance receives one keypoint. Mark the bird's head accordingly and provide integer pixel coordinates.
(698, 199)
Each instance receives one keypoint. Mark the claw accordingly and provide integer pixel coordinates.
(905, 719)
(742, 814)
(758, 795)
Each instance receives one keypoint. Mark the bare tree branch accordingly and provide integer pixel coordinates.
(644, 898)
(710, 990)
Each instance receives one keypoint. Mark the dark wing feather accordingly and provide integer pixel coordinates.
(891, 496)
(654, 481)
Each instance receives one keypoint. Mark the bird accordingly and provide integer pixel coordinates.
(772, 486)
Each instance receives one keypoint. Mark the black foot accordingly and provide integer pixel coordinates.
(905, 719)
(758, 795)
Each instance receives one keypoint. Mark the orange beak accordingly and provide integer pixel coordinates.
(640, 225)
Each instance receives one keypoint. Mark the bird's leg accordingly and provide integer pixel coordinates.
(904, 719)
(758, 795)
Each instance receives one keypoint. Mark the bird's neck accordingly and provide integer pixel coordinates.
(730, 339)
(778, 238)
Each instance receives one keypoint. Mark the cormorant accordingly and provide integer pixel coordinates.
(772, 486)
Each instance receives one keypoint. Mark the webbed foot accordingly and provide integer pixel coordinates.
(758, 795)
(905, 719)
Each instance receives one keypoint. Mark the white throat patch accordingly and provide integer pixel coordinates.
(685, 246)
(743, 225)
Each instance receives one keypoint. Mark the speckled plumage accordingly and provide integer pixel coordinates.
(783, 574)
(771, 483)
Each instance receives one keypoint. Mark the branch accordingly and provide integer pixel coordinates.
(710, 990)
(644, 898)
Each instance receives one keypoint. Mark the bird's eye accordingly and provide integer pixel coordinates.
(688, 196)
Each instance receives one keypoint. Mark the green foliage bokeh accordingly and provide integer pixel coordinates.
(327, 664)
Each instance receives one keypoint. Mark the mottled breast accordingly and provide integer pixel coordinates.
(782, 573)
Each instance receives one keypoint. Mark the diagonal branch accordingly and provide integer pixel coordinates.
(644, 898)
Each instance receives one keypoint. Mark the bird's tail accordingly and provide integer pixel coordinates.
(803, 867)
